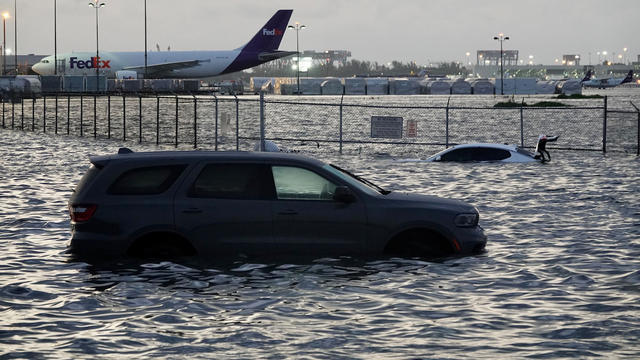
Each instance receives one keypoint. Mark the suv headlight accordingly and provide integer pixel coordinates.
(466, 220)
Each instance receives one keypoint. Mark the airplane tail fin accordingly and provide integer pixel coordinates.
(629, 77)
(588, 75)
(270, 35)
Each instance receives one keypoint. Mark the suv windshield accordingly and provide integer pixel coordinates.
(357, 181)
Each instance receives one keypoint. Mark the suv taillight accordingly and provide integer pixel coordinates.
(81, 213)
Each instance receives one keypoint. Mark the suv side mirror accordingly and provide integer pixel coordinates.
(344, 194)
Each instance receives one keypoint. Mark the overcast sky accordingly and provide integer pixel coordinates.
(407, 30)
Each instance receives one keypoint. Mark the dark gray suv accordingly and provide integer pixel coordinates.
(221, 204)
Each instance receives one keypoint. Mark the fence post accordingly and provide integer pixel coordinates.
(81, 116)
(216, 123)
(237, 124)
(95, 116)
(522, 124)
(68, 114)
(139, 119)
(108, 116)
(341, 102)
(124, 118)
(446, 126)
(56, 122)
(604, 127)
(33, 114)
(637, 128)
(13, 113)
(176, 120)
(3, 113)
(157, 120)
(195, 122)
(44, 114)
(22, 114)
(261, 148)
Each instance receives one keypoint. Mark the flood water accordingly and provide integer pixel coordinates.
(560, 277)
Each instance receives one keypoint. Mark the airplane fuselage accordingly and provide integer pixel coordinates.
(602, 83)
(608, 82)
(210, 63)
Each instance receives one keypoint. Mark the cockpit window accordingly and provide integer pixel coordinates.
(45, 61)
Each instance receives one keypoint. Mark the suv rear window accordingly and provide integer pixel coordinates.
(87, 178)
(146, 180)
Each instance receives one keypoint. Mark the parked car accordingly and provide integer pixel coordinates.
(495, 152)
(221, 204)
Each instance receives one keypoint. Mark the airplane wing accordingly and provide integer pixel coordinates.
(275, 54)
(165, 67)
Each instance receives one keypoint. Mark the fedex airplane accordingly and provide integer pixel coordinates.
(263, 47)
(608, 82)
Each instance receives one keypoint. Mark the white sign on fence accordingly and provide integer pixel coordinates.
(389, 127)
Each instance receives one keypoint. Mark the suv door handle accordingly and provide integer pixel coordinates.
(192, 211)
(288, 212)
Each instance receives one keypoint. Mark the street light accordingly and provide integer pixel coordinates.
(625, 55)
(5, 16)
(297, 27)
(145, 39)
(94, 4)
(501, 38)
(55, 37)
(468, 54)
(15, 35)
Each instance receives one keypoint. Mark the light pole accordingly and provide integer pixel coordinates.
(297, 27)
(5, 16)
(501, 38)
(55, 38)
(94, 4)
(145, 39)
(624, 50)
(15, 35)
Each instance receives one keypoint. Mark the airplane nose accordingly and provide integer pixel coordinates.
(37, 68)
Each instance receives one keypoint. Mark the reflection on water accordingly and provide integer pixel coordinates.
(559, 279)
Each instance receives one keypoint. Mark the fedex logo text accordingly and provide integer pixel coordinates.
(274, 32)
(92, 63)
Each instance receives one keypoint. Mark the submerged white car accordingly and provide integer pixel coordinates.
(495, 152)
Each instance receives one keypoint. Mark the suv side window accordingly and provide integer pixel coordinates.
(150, 180)
(233, 181)
(294, 183)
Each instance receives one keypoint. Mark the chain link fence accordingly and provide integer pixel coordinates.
(328, 124)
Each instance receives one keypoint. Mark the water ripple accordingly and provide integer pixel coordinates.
(559, 279)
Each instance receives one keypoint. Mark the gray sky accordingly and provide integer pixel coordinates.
(406, 30)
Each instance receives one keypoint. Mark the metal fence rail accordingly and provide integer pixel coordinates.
(334, 124)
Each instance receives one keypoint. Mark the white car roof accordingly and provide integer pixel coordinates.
(486, 145)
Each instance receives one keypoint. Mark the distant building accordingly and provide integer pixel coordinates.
(327, 56)
(571, 60)
(492, 57)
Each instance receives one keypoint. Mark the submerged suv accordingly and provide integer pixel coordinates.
(233, 203)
